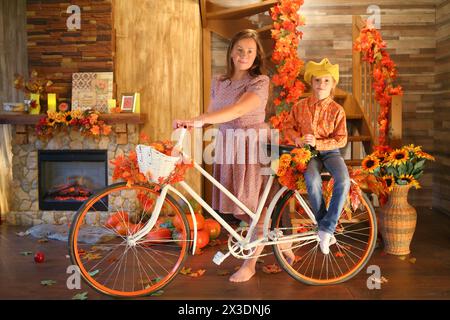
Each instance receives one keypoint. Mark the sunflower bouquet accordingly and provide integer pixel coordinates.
(402, 166)
(87, 122)
(290, 167)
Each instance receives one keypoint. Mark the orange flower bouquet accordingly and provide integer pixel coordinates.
(86, 122)
(290, 167)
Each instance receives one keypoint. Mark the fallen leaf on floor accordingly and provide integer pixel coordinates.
(379, 280)
(22, 234)
(94, 273)
(92, 256)
(271, 268)
(48, 282)
(101, 248)
(80, 296)
(26, 253)
(185, 270)
(222, 272)
(157, 293)
(43, 240)
(339, 254)
(190, 273)
(402, 257)
(112, 260)
(197, 273)
(412, 260)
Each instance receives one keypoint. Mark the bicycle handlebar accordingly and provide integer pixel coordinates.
(179, 143)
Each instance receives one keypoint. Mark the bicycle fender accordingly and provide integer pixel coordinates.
(194, 220)
(272, 206)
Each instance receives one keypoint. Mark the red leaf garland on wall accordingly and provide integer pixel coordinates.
(384, 72)
(288, 87)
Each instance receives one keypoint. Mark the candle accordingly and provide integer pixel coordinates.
(51, 102)
(111, 104)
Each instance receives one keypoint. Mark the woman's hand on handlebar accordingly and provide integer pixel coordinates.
(188, 124)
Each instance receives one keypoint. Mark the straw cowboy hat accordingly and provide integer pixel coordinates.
(321, 69)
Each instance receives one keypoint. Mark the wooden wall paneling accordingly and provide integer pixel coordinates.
(441, 114)
(158, 53)
(13, 49)
(56, 52)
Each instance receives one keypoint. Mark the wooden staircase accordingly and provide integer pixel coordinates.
(360, 106)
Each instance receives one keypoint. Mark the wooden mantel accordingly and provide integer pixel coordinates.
(110, 118)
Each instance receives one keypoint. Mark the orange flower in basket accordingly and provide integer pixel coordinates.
(159, 146)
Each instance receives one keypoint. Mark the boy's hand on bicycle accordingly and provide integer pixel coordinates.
(306, 139)
(299, 141)
(309, 139)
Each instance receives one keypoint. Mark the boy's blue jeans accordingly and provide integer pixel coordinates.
(327, 219)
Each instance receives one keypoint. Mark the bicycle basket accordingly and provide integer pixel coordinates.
(154, 164)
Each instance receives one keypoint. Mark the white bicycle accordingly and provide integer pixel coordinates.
(129, 263)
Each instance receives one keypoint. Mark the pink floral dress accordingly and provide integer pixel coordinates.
(237, 164)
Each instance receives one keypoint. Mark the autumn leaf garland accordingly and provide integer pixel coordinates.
(384, 72)
(288, 87)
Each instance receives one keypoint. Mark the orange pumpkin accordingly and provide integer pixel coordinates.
(154, 237)
(116, 218)
(202, 238)
(213, 228)
(177, 222)
(122, 228)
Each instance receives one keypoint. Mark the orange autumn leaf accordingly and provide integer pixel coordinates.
(271, 268)
(197, 273)
(93, 256)
(339, 254)
(185, 270)
(223, 272)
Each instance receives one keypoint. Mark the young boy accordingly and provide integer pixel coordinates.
(320, 122)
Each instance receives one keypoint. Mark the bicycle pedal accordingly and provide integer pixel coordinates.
(219, 257)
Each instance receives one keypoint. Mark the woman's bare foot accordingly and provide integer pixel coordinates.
(244, 273)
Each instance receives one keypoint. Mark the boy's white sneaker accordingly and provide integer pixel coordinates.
(326, 240)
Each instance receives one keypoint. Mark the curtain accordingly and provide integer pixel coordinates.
(5, 168)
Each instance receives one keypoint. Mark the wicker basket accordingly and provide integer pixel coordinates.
(154, 164)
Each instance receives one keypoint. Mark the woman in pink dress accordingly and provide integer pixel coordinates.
(238, 102)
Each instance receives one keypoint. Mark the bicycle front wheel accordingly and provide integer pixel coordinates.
(355, 241)
(108, 262)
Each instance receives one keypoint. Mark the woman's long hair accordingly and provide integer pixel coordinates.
(258, 65)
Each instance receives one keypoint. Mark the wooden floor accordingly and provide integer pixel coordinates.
(426, 277)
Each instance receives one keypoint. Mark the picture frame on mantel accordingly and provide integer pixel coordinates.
(128, 103)
(92, 90)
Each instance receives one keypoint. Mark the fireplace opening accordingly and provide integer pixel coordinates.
(69, 177)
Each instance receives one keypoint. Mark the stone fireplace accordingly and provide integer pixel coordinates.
(64, 161)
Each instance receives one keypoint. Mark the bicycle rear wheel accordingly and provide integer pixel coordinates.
(355, 242)
(114, 266)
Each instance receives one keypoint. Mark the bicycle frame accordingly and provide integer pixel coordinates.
(244, 241)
